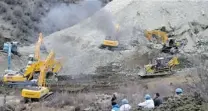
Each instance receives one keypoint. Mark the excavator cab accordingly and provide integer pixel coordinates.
(31, 59)
(159, 63)
(14, 47)
(109, 44)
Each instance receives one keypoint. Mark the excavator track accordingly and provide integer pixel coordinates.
(159, 72)
(48, 97)
(156, 74)
(76, 88)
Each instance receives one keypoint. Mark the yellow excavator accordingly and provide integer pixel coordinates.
(24, 76)
(161, 66)
(35, 93)
(111, 43)
(169, 45)
(156, 36)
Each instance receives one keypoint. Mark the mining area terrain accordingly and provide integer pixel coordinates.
(74, 30)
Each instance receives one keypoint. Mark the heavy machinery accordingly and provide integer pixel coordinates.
(156, 36)
(168, 45)
(8, 48)
(41, 91)
(13, 47)
(24, 76)
(111, 43)
(161, 66)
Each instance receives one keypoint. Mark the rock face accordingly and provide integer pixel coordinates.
(79, 44)
(23, 20)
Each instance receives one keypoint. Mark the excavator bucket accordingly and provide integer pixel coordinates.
(37, 47)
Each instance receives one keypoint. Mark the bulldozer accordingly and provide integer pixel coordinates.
(41, 91)
(25, 75)
(161, 66)
(111, 43)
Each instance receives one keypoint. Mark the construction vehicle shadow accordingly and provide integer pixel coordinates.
(155, 76)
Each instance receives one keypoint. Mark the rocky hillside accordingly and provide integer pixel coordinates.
(79, 44)
(22, 20)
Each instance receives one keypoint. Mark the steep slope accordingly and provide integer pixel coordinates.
(22, 20)
(79, 44)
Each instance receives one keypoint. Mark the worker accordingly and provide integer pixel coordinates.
(125, 105)
(115, 106)
(114, 98)
(148, 103)
(179, 92)
(157, 100)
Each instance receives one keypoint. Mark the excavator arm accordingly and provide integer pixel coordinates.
(37, 47)
(57, 66)
(30, 69)
(48, 64)
(161, 34)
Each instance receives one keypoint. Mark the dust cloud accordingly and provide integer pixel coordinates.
(63, 15)
(105, 23)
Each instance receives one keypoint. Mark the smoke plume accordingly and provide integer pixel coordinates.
(105, 23)
(63, 15)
